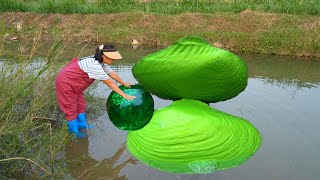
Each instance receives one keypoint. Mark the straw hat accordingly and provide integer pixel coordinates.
(110, 51)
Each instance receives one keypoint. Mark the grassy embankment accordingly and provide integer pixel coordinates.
(31, 146)
(267, 26)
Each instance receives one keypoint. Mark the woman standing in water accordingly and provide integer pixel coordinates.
(77, 76)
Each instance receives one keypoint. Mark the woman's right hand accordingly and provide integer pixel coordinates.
(115, 88)
(128, 97)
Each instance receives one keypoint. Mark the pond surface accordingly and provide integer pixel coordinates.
(281, 100)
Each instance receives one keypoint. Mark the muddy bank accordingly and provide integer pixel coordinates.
(248, 31)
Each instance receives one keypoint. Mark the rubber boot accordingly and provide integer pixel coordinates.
(82, 122)
(73, 128)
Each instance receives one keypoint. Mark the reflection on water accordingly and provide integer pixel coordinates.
(282, 68)
(108, 168)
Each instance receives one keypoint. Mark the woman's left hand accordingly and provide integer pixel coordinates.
(128, 85)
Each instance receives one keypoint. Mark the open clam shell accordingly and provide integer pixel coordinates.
(193, 69)
(191, 137)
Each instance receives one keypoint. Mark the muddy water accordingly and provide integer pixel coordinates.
(281, 100)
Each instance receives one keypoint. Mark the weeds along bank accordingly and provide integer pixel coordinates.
(33, 136)
(246, 31)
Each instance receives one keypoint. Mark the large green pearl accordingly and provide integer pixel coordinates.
(130, 115)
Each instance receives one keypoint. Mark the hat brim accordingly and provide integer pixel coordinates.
(113, 55)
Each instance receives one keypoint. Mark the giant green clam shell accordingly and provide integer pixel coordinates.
(191, 137)
(193, 69)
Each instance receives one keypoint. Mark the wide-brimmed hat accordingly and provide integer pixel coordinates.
(110, 51)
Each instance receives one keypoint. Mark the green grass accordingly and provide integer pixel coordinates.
(311, 7)
(32, 133)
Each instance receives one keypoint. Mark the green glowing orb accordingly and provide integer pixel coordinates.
(130, 115)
